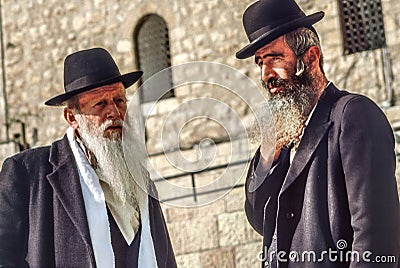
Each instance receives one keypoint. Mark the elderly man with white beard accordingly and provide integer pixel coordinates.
(76, 203)
(323, 193)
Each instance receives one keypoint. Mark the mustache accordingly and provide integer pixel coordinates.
(274, 82)
(287, 84)
(290, 84)
(112, 123)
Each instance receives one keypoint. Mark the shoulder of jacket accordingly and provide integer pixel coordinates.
(353, 100)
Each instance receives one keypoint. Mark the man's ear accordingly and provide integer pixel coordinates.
(69, 116)
(313, 55)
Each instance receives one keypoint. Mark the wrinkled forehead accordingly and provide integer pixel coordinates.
(276, 44)
(112, 90)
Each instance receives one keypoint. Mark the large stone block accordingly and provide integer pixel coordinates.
(247, 255)
(184, 90)
(194, 235)
(218, 258)
(191, 260)
(234, 201)
(186, 214)
(233, 229)
(6, 150)
(179, 188)
(221, 180)
(167, 106)
(393, 115)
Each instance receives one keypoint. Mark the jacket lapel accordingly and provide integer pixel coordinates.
(66, 185)
(313, 134)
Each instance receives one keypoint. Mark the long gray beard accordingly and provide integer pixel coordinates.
(111, 166)
(290, 108)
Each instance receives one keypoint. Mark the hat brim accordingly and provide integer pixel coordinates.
(127, 80)
(271, 35)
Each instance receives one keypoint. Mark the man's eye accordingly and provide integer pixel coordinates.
(100, 103)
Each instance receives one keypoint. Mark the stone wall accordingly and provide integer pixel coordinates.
(39, 34)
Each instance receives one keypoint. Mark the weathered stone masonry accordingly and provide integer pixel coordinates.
(38, 35)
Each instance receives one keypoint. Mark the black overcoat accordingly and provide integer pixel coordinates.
(42, 214)
(338, 194)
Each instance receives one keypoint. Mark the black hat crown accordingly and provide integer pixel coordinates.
(266, 20)
(88, 69)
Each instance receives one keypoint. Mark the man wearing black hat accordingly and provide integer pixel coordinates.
(326, 194)
(76, 203)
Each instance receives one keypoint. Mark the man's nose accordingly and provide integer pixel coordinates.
(112, 111)
(267, 73)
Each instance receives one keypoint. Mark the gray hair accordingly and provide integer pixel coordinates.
(73, 103)
(302, 39)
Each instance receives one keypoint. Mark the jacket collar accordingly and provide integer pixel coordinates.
(66, 185)
(316, 129)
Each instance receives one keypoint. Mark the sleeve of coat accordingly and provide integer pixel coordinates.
(368, 159)
(256, 200)
(14, 196)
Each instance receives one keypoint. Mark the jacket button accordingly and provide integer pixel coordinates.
(290, 215)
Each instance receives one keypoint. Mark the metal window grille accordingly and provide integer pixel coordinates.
(153, 54)
(362, 25)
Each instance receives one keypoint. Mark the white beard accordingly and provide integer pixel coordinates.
(111, 165)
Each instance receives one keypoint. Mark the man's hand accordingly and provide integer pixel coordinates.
(268, 154)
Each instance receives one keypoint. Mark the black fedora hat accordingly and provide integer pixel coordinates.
(266, 20)
(88, 69)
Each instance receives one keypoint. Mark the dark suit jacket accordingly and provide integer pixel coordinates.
(42, 214)
(340, 186)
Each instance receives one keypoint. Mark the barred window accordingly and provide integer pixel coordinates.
(362, 25)
(153, 55)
